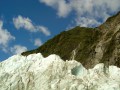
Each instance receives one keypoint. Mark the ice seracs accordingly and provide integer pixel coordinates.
(35, 72)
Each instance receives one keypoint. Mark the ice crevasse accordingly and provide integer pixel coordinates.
(35, 72)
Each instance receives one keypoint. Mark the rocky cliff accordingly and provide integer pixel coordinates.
(89, 46)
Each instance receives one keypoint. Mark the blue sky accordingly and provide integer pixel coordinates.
(27, 24)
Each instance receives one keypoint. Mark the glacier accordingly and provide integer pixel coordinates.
(34, 72)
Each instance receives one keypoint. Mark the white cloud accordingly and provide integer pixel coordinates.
(44, 30)
(92, 10)
(5, 37)
(18, 49)
(84, 22)
(21, 22)
(60, 5)
(37, 42)
(26, 23)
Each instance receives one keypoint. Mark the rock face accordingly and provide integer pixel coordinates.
(89, 46)
(35, 72)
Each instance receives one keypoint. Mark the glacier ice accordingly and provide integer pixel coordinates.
(35, 72)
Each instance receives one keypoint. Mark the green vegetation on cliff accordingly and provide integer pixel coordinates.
(89, 46)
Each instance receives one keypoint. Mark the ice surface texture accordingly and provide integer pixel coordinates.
(35, 72)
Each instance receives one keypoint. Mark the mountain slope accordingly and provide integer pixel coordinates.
(89, 46)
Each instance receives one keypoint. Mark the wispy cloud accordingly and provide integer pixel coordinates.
(88, 12)
(63, 9)
(18, 49)
(38, 42)
(44, 30)
(26, 23)
(5, 37)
